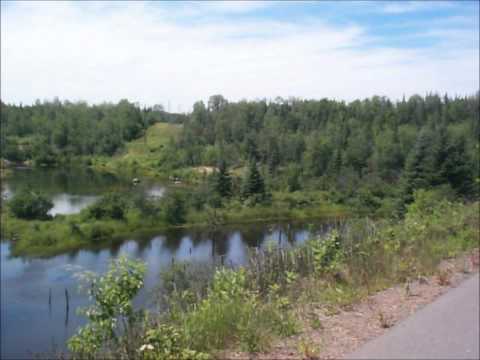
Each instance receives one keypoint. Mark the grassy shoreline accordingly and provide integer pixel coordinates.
(216, 311)
(72, 232)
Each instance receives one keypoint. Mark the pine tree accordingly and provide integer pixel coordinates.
(223, 181)
(456, 168)
(253, 183)
(420, 166)
(293, 179)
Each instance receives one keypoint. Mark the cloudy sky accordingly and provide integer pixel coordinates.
(179, 52)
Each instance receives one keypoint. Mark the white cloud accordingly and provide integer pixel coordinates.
(145, 54)
(401, 7)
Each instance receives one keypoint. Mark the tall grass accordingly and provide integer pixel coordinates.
(218, 307)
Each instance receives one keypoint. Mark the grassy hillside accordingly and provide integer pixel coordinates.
(157, 136)
(141, 156)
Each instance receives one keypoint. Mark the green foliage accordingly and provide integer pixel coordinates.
(27, 204)
(420, 165)
(416, 143)
(253, 183)
(456, 167)
(293, 179)
(111, 317)
(175, 210)
(278, 307)
(111, 206)
(342, 144)
(326, 253)
(220, 316)
(166, 342)
(12, 151)
(184, 283)
(210, 309)
(223, 182)
(64, 129)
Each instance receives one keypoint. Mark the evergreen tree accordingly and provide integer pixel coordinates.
(293, 180)
(175, 210)
(456, 168)
(419, 169)
(223, 181)
(253, 183)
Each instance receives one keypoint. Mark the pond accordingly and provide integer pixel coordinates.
(73, 189)
(34, 319)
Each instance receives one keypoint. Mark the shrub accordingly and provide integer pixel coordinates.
(166, 342)
(111, 316)
(174, 208)
(112, 205)
(30, 205)
(219, 315)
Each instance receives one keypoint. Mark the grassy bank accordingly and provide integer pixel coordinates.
(69, 232)
(143, 156)
(207, 310)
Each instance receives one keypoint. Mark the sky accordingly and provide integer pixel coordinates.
(177, 53)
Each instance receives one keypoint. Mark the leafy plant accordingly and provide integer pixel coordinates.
(112, 205)
(166, 342)
(112, 316)
(326, 253)
(175, 210)
(29, 205)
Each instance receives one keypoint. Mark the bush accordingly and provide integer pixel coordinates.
(112, 205)
(175, 210)
(166, 342)
(112, 316)
(224, 313)
(30, 205)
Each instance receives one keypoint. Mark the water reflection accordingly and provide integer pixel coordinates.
(33, 307)
(73, 190)
(65, 204)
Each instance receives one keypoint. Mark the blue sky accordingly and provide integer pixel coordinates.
(180, 52)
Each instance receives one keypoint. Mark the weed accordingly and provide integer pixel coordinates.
(315, 323)
(308, 350)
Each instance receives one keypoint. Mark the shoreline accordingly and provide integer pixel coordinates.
(77, 242)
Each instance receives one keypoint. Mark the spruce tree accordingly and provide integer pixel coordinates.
(456, 168)
(253, 183)
(223, 183)
(420, 166)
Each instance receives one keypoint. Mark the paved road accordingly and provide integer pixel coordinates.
(448, 328)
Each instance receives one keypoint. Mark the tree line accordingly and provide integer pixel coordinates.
(373, 148)
(49, 131)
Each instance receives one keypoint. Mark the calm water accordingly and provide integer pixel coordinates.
(29, 325)
(73, 189)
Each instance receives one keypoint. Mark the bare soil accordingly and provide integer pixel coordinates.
(343, 332)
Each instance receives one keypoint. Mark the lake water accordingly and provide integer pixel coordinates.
(30, 325)
(73, 189)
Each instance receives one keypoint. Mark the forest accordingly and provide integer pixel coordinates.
(370, 153)
(50, 132)
(400, 181)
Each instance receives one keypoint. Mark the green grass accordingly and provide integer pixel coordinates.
(69, 232)
(249, 307)
(158, 136)
(141, 156)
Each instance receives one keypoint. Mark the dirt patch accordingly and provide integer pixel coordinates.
(343, 332)
(206, 170)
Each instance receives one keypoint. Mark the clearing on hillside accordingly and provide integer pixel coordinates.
(157, 136)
